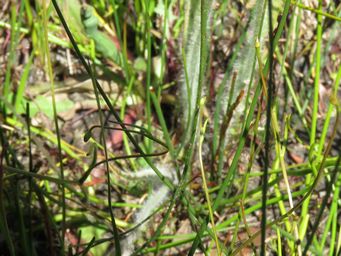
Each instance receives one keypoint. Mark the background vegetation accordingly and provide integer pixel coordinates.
(170, 127)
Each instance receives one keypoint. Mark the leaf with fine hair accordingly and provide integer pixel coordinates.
(191, 87)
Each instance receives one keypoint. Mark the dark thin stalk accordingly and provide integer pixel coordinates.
(267, 133)
(20, 218)
(30, 168)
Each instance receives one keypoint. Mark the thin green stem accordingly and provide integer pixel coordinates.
(55, 117)
(313, 142)
(317, 11)
(149, 73)
(208, 199)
